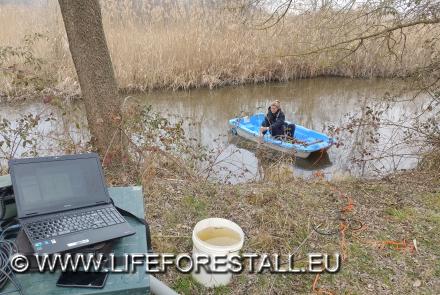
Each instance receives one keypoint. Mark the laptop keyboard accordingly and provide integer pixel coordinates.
(74, 222)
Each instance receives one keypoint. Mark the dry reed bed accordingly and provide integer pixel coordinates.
(178, 47)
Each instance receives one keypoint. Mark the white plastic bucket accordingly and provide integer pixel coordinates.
(211, 237)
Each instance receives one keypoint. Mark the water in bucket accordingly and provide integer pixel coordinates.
(219, 236)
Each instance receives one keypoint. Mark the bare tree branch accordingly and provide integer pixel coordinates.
(362, 38)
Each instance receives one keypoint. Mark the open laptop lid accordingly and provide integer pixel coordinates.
(52, 184)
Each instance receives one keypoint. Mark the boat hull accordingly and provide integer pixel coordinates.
(306, 141)
(257, 139)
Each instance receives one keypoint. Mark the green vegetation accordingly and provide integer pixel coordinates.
(194, 206)
(184, 285)
(277, 217)
(399, 214)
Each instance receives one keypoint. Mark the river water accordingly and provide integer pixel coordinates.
(313, 103)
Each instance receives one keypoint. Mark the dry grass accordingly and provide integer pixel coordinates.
(277, 216)
(176, 46)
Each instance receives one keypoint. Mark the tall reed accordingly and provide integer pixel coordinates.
(179, 45)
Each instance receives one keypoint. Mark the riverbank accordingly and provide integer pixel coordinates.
(180, 47)
(314, 103)
(387, 238)
(386, 234)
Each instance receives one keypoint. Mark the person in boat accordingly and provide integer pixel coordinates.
(274, 120)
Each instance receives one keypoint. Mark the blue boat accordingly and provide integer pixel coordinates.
(304, 142)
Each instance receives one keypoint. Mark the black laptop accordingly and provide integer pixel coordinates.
(63, 202)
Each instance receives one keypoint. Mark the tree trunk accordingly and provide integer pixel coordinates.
(88, 47)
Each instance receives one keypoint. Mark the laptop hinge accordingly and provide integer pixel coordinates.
(96, 203)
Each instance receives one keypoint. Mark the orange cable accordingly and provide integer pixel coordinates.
(320, 157)
(342, 243)
(319, 290)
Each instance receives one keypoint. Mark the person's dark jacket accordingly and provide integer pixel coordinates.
(275, 122)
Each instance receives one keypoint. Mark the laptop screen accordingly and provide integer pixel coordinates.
(50, 186)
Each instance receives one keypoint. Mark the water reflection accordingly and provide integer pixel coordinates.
(266, 158)
(313, 103)
(57, 127)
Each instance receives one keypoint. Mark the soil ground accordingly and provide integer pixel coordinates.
(386, 230)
